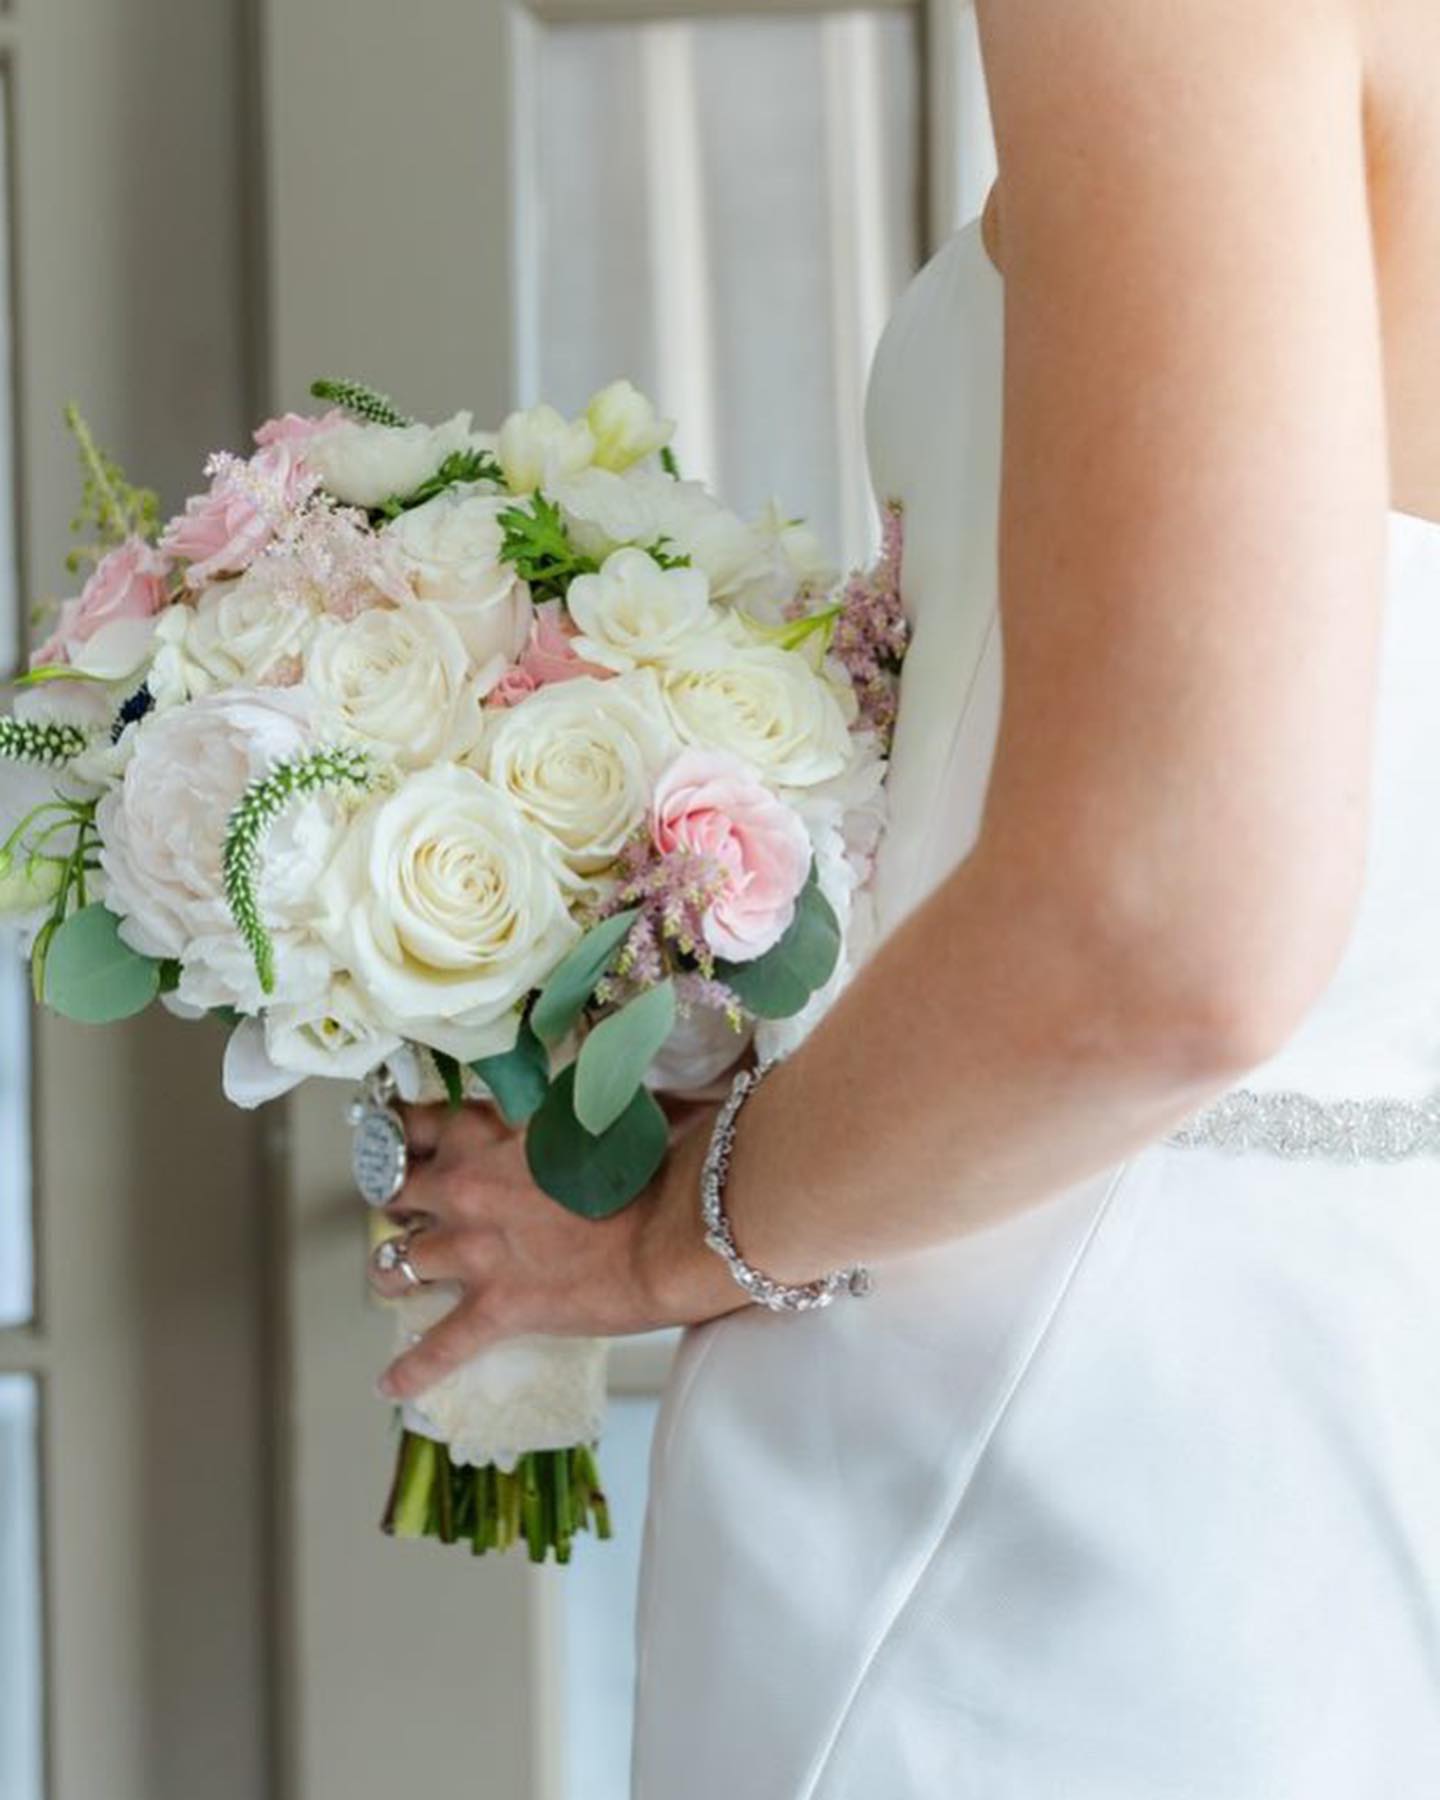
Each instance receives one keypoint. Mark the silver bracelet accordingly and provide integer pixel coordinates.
(721, 1239)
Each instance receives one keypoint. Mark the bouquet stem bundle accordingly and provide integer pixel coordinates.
(545, 1501)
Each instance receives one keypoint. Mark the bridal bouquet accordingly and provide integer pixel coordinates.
(505, 767)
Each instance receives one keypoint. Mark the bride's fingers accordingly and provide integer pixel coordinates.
(424, 1127)
(429, 1129)
(433, 1255)
(459, 1336)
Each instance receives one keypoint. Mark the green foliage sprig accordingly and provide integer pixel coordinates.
(538, 544)
(459, 469)
(111, 508)
(322, 771)
(361, 402)
(45, 744)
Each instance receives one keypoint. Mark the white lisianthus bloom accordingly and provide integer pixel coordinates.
(764, 705)
(604, 510)
(398, 678)
(793, 559)
(334, 1036)
(635, 613)
(237, 634)
(539, 448)
(625, 426)
(449, 550)
(581, 759)
(361, 464)
(447, 907)
(163, 832)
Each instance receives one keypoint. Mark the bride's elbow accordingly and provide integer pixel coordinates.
(1212, 992)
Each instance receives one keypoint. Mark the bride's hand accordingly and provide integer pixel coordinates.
(522, 1263)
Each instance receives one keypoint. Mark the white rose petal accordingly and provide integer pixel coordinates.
(581, 759)
(449, 550)
(399, 678)
(366, 465)
(634, 612)
(447, 907)
(763, 704)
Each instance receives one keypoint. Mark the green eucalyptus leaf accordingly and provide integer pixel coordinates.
(92, 976)
(595, 1176)
(778, 984)
(615, 1056)
(518, 1080)
(568, 990)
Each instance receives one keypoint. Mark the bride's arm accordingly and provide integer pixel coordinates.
(1192, 556)
(1191, 575)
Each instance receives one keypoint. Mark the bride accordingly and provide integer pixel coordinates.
(1125, 1483)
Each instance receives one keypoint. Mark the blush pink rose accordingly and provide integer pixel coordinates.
(131, 583)
(222, 531)
(297, 428)
(549, 656)
(712, 805)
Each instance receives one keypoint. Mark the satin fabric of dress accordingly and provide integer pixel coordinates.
(1136, 1496)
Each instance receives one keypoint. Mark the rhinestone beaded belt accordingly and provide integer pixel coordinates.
(1301, 1128)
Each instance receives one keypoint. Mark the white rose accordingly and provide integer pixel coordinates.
(634, 612)
(447, 907)
(625, 426)
(366, 465)
(581, 759)
(763, 704)
(539, 448)
(449, 550)
(398, 678)
(237, 634)
(163, 832)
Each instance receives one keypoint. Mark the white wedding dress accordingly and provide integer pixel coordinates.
(1136, 1496)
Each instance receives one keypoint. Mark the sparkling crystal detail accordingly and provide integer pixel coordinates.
(1299, 1127)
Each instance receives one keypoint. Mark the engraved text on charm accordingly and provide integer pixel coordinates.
(378, 1155)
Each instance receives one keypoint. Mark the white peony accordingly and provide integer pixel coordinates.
(581, 759)
(366, 465)
(449, 550)
(240, 633)
(634, 612)
(625, 427)
(763, 704)
(398, 678)
(540, 448)
(447, 907)
(163, 830)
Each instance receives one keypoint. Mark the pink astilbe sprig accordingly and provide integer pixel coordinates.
(673, 891)
(870, 633)
(327, 553)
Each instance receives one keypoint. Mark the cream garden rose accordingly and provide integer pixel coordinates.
(764, 705)
(397, 677)
(634, 612)
(447, 907)
(581, 759)
(449, 549)
(238, 633)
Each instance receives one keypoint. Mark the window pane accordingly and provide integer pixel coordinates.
(724, 210)
(600, 1615)
(16, 1253)
(16, 1278)
(21, 1739)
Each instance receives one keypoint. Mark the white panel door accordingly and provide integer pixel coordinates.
(476, 203)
